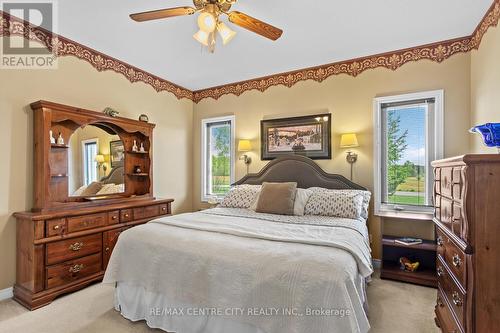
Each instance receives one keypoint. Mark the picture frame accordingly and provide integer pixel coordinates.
(117, 153)
(309, 136)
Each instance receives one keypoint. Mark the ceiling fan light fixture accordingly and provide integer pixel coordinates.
(202, 37)
(207, 22)
(225, 33)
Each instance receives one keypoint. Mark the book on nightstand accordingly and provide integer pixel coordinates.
(408, 241)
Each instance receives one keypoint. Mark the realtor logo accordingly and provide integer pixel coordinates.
(18, 52)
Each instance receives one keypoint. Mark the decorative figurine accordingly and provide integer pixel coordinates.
(144, 118)
(490, 133)
(137, 169)
(110, 112)
(52, 139)
(134, 147)
(142, 150)
(407, 265)
(60, 140)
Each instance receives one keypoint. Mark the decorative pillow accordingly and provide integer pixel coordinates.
(79, 192)
(301, 199)
(241, 196)
(277, 198)
(92, 189)
(110, 189)
(337, 203)
(366, 198)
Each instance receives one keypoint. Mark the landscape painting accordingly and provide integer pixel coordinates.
(309, 136)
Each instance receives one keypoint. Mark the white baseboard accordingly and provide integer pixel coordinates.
(377, 263)
(6, 293)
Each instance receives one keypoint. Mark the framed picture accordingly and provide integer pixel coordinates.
(117, 153)
(309, 136)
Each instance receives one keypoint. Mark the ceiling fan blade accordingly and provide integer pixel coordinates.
(162, 13)
(254, 25)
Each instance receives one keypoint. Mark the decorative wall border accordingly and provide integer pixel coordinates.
(437, 52)
(10, 25)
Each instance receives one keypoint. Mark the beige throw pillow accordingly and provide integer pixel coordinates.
(92, 189)
(277, 198)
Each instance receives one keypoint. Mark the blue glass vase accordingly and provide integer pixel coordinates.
(490, 133)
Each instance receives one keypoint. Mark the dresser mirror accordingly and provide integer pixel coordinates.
(96, 160)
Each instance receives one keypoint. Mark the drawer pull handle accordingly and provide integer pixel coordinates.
(76, 268)
(107, 249)
(457, 262)
(440, 271)
(456, 299)
(76, 247)
(439, 241)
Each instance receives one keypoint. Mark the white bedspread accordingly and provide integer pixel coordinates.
(271, 273)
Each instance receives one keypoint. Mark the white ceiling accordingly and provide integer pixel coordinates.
(315, 33)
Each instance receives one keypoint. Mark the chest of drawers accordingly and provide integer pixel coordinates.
(64, 251)
(467, 219)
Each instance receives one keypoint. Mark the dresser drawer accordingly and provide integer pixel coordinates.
(73, 248)
(453, 256)
(449, 213)
(164, 209)
(452, 291)
(113, 217)
(86, 222)
(146, 212)
(55, 227)
(444, 316)
(125, 215)
(73, 270)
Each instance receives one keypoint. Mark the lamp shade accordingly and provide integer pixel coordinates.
(202, 37)
(207, 22)
(244, 145)
(348, 141)
(99, 158)
(225, 33)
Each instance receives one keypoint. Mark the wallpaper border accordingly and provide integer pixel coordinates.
(437, 52)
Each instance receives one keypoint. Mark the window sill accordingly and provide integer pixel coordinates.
(406, 215)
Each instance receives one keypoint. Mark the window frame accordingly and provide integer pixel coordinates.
(84, 152)
(204, 154)
(407, 211)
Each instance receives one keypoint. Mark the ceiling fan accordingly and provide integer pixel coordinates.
(210, 23)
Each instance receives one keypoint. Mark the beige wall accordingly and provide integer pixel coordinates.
(485, 86)
(77, 83)
(350, 102)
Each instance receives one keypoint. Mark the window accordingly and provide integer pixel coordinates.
(89, 152)
(408, 137)
(217, 136)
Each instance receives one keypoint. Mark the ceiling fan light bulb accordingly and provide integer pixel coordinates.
(202, 37)
(225, 33)
(207, 22)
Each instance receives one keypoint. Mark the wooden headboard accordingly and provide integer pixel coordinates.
(300, 169)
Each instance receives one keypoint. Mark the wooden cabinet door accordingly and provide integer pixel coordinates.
(109, 239)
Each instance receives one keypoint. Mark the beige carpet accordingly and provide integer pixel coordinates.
(394, 307)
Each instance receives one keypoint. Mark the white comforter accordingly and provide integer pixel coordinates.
(272, 273)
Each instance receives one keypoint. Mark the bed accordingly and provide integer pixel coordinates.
(235, 270)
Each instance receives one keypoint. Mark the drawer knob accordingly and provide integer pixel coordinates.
(439, 241)
(76, 247)
(76, 268)
(107, 249)
(457, 262)
(56, 227)
(163, 208)
(456, 299)
(114, 217)
(126, 216)
(440, 271)
(440, 302)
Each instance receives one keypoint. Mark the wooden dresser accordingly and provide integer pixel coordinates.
(61, 252)
(467, 218)
(65, 242)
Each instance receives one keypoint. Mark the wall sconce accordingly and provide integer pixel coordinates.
(349, 141)
(100, 159)
(245, 146)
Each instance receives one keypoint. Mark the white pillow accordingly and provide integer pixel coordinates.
(111, 189)
(241, 196)
(336, 203)
(301, 198)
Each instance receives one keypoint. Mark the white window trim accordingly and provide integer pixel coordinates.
(204, 122)
(418, 212)
(83, 143)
